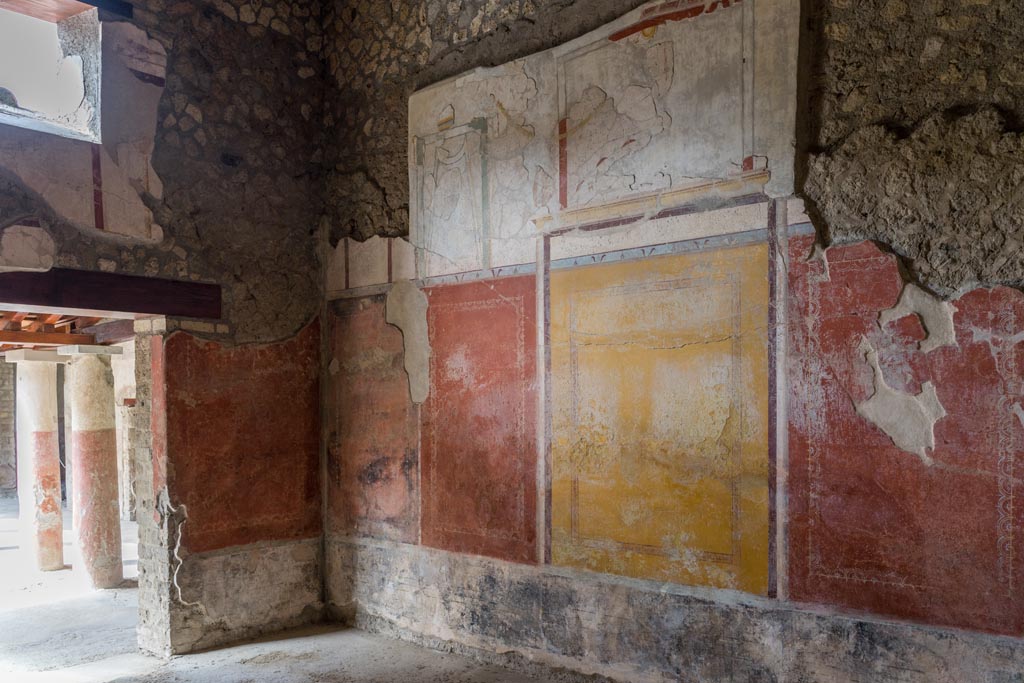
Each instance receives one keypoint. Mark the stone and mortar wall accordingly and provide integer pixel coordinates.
(378, 53)
(231, 184)
(909, 136)
(241, 508)
(149, 463)
(236, 162)
(8, 463)
(913, 132)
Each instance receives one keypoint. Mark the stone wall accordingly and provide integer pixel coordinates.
(715, 442)
(231, 180)
(913, 130)
(241, 438)
(209, 171)
(378, 53)
(8, 463)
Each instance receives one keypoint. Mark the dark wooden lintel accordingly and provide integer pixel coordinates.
(107, 295)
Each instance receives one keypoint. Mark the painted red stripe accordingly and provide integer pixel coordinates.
(691, 12)
(563, 162)
(97, 187)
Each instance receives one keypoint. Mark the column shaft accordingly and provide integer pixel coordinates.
(39, 463)
(94, 460)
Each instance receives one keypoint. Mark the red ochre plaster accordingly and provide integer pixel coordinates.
(372, 454)
(243, 432)
(873, 527)
(478, 439)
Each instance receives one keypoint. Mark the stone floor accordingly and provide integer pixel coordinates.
(53, 629)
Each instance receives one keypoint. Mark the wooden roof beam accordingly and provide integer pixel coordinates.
(44, 338)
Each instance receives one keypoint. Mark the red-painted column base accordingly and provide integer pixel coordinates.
(97, 519)
(49, 528)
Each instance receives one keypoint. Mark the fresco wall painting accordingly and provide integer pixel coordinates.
(660, 418)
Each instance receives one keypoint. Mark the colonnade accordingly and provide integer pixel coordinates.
(93, 448)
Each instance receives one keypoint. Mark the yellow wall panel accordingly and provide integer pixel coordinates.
(660, 418)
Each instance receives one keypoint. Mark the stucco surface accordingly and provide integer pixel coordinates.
(880, 521)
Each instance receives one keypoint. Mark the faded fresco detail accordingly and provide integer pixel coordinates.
(243, 434)
(618, 128)
(372, 451)
(908, 511)
(478, 437)
(660, 418)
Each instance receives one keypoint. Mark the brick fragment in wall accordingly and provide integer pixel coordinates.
(874, 526)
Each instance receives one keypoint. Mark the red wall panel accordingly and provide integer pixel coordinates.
(874, 527)
(478, 440)
(242, 434)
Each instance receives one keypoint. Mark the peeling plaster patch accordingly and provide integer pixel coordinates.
(26, 248)
(936, 315)
(406, 309)
(908, 420)
(820, 253)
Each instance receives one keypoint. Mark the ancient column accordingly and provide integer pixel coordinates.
(39, 498)
(94, 463)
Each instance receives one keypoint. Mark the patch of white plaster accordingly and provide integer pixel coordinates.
(26, 248)
(908, 420)
(936, 316)
(820, 253)
(406, 309)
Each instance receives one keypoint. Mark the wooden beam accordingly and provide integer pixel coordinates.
(107, 295)
(53, 11)
(45, 338)
(112, 332)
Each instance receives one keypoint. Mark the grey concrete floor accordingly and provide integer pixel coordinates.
(53, 629)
